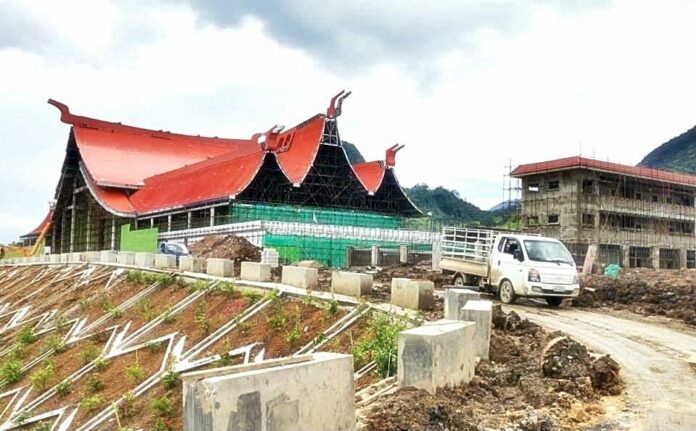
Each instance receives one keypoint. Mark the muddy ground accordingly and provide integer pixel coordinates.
(643, 291)
(534, 381)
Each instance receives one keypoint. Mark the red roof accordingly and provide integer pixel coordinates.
(578, 162)
(370, 175)
(37, 231)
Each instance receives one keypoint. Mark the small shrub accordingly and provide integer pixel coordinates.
(84, 304)
(63, 388)
(17, 351)
(160, 425)
(169, 316)
(101, 364)
(225, 360)
(44, 426)
(309, 299)
(56, 343)
(245, 325)
(277, 320)
(162, 280)
(252, 295)
(162, 407)
(135, 372)
(107, 304)
(20, 418)
(147, 310)
(332, 308)
(154, 346)
(201, 318)
(116, 313)
(319, 339)
(226, 288)
(380, 345)
(41, 377)
(170, 380)
(197, 285)
(60, 321)
(127, 405)
(94, 384)
(134, 276)
(89, 353)
(294, 336)
(92, 403)
(11, 371)
(27, 336)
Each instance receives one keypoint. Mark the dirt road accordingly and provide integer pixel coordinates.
(658, 364)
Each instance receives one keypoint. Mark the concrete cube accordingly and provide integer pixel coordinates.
(455, 299)
(108, 256)
(254, 271)
(145, 260)
(437, 355)
(481, 313)
(316, 394)
(190, 264)
(220, 267)
(125, 258)
(413, 294)
(165, 261)
(306, 278)
(351, 283)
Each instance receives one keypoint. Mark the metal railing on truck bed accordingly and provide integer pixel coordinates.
(468, 244)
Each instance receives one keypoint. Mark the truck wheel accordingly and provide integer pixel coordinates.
(554, 301)
(506, 292)
(458, 280)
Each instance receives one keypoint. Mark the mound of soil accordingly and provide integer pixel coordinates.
(648, 292)
(511, 391)
(231, 247)
(406, 270)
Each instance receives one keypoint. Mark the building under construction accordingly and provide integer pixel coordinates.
(295, 190)
(636, 217)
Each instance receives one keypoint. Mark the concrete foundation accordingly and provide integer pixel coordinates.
(455, 299)
(64, 257)
(351, 283)
(306, 278)
(374, 256)
(220, 267)
(413, 294)
(108, 256)
(165, 261)
(54, 258)
(254, 271)
(437, 255)
(481, 313)
(125, 258)
(403, 254)
(437, 355)
(146, 260)
(317, 395)
(190, 264)
(76, 257)
(92, 256)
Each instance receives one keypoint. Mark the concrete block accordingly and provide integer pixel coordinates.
(64, 257)
(481, 313)
(403, 254)
(254, 271)
(220, 267)
(125, 258)
(306, 278)
(92, 256)
(351, 283)
(190, 264)
(437, 355)
(54, 258)
(413, 294)
(76, 257)
(317, 395)
(455, 299)
(165, 261)
(145, 259)
(108, 256)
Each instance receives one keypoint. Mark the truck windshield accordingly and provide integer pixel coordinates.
(548, 251)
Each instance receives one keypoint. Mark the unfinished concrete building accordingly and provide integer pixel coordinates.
(637, 217)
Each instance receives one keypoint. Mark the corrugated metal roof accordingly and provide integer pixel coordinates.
(578, 162)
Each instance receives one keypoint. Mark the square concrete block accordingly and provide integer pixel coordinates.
(165, 261)
(125, 258)
(254, 271)
(306, 278)
(316, 395)
(455, 299)
(220, 267)
(481, 313)
(108, 256)
(351, 283)
(190, 264)
(144, 259)
(413, 294)
(438, 355)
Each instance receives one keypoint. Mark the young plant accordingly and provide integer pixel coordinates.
(44, 426)
(84, 304)
(380, 345)
(226, 288)
(56, 343)
(160, 425)
(17, 351)
(41, 377)
(147, 310)
(107, 304)
(225, 360)
(27, 336)
(127, 405)
(11, 371)
(92, 403)
(170, 380)
(332, 308)
(134, 276)
(135, 372)
(154, 346)
(60, 321)
(277, 320)
(20, 418)
(197, 285)
(162, 407)
(201, 318)
(94, 384)
(252, 295)
(116, 313)
(294, 335)
(63, 388)
(89, 353)
(319, 339)
(101, 364)
(169, 316)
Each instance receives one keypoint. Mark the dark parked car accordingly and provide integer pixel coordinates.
(176, 249)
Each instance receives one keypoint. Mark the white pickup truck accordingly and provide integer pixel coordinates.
(510, 264)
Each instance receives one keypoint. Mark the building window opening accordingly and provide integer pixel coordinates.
(553, 185)
(553, 219)
(588, 219)
(588, 186)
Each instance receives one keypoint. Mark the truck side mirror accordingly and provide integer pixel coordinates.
(518, 255)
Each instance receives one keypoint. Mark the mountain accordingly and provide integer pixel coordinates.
(446, 204)
(505, 205)
(677, 154)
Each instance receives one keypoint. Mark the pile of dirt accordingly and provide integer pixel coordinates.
(510, 391)
(416, 272)
(648, 292)
(231, 247)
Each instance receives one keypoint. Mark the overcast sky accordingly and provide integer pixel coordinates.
(465, 85)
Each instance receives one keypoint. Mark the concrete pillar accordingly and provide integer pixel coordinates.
(349, 257)
(125, 258)
(655, 257)
(189, 217)
(72, 217)
(220, 267)
(351, 283)
(145, 259)
(481, 313)
(287, 394)
(165, 261)
(682, 259)
(169, 223)
(113, 234)
(440, 354)
(254, 271)
(403, 253)
(305, 278)
(190, 264)
(374, 261)
(152, 222)
(437, 255)
(455, 299)
(625, 256)
(413, 294)
(212, 216)
(88, 229)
